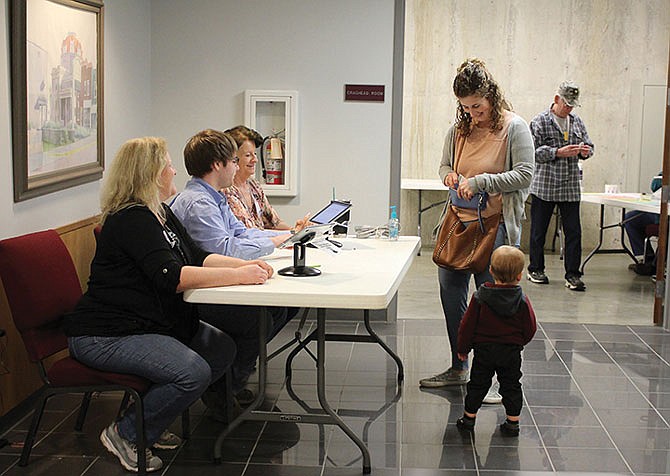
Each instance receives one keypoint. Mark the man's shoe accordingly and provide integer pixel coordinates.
(450, 376)
(573, 283)
(127, 451)
(508, 428)
(466, 424)
(167, 441)
(645, 269)
(538, 277)
(245, 397)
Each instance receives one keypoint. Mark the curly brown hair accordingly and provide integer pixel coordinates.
(472, 78)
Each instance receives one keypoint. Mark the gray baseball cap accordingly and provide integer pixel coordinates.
(569, 91)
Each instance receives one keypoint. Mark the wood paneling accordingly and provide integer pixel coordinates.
(19, 377)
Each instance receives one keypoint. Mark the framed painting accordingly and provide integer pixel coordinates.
(57, 94)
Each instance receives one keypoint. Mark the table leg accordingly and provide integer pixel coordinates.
(602, 228)
(377, 339)
(321, 389)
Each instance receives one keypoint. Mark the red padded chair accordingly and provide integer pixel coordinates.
(41, 285)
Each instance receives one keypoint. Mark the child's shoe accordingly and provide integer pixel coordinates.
(466, 423)
(509, 428)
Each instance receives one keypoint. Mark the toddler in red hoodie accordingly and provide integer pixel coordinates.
(498, 322)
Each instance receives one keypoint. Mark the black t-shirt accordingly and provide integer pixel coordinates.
(134, 277)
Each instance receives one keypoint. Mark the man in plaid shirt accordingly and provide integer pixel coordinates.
(561, 141)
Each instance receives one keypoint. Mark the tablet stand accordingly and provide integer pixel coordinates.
(299, 269)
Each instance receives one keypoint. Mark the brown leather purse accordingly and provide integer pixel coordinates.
(465, 246)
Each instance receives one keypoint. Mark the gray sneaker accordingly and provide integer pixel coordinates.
(450, 376)
(167, 441)
(127, 451)
(537, 277)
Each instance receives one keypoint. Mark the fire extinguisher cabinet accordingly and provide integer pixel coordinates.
(274, 114)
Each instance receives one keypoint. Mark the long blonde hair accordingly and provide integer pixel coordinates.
(134, 177)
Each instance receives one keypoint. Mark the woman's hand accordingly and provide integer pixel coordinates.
(263, 265)
(252, 274)
(451, 179)
(301, 223)
(462, 357)
(464, 190)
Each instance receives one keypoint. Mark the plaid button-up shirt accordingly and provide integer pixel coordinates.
(556, 179)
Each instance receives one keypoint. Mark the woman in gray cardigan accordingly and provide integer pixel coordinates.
(490, 149)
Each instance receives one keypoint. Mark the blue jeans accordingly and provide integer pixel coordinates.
(635, 223)
(180, 373)
(241, 323)
(454, 287)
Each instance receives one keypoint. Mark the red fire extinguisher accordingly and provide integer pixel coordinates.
(272, 160)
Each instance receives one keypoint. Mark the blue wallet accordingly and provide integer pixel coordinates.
(477, 202)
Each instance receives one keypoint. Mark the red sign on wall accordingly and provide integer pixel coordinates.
(363, 92)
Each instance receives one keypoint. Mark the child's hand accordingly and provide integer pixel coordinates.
(463, 357)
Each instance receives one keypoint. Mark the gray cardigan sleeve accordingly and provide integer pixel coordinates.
(446, 164)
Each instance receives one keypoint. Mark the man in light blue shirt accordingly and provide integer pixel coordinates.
(210, 159)
(204, 211)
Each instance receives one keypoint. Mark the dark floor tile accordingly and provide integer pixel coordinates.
(591, 459)
(655, 369)
(347, 454)
(657, 385)
(202, 450)
(634, 418)
(544, 368)
(513, 459)
(659, 400)
(564, 416)
(554, 398)
(547, 382)
(46, 465)
(601, 383)
(189, 468)
(616, 337)
(641, 438)
(257, 469)
(647, 461)
(575, 437)
(438, 456)
(612, 399)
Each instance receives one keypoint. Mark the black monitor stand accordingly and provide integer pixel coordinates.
(299, 269)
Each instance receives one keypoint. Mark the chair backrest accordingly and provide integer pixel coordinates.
(41, 285)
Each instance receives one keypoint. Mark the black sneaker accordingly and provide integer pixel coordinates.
(538, 277)
(508, 428)
(466, 424)
(245, 397)
(573, 283)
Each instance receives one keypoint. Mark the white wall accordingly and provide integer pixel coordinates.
(127, 114)
(205, 53)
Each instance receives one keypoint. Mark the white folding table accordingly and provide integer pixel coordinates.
(364, 275)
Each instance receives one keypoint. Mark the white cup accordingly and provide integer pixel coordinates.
(611, 188)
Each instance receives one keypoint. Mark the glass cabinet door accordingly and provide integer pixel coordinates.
(274, 114)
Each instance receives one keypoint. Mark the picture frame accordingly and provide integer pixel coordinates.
(57, 94)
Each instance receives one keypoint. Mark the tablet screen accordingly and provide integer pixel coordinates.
(331, 212)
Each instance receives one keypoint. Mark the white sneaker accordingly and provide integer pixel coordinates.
(493, 397)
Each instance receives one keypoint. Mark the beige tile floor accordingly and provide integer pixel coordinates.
(614, 294)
